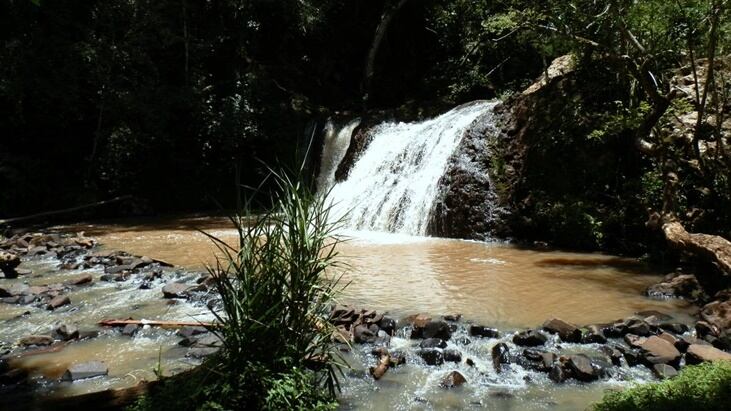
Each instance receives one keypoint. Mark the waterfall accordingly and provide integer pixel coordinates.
(335, 145)
(393, 185)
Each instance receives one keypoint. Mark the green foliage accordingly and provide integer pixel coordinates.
(705, 387)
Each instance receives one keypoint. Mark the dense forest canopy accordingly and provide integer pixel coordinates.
(165, 100)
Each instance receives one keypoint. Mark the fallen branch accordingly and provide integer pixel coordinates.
(64, 211)
(153, 323)
(711, 248)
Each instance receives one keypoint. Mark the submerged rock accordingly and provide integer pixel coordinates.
(452, 355)
(500, 355)
(85, 370)
(38, 340)
(431, 356)
(433, 343)
(482, 331)
(453, 379)
(67, 332)
(57, 302)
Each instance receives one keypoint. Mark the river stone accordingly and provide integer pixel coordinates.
(663, 371)
(432, 329)
(675, 328)
(130, 330)
(12, 377)
(57, 302)
(8, 263)
(5, 292)
(452, 355)
(592, 334)
(614, 355)
(39, 340)
(431, 356)
(529, 338)
(433, 343)
(175, 290)
(718, 314)
(500, 355)
(659, 351)
(566, 331)
(558, 374)
(364, 334)
(697, 354)
(388, 325)
(38, 289)
(482, 331)
(638, 327)
(84, 279)
(85, 370)
(453, 379)
(67, 332)
(581, 368)
(654, 313)
(452, 317)
(634, 341)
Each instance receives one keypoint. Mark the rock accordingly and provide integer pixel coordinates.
(681, 286)
(566, 331)
(431, 356)
(614, 355)
(453, 379)
(13, 377)
(433, 343)
(593, 335)
(660, 316)
(37, 289)
(558, 374)
(529, 338)
(388, 325)
(191, 331)
(703, 329)
(659, 351)
(697, 354)
(634, 341)
(175, 290)
(675, 328)
(432, 329)
(500, 355)
(130, 330)
(718, 314)
(8, 263)
(452, 355)
(39, 340)
(5, 292)
(638, 327)
(84, 279)
(482, 331)
(57, 302)
(362, 334)
(663, 371)
(632, 357)
(452, 317)
(67, 332)
(85, 370)
(581, 368)
(670, 338)
(201, 352)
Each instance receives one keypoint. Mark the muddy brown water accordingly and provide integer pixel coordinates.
(493, 284)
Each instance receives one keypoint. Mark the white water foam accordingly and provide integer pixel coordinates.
(393, 186)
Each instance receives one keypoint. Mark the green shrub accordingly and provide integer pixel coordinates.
(705, 387)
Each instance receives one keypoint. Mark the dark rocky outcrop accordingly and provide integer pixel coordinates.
(677, 286)
(566, 331)
(529, 338)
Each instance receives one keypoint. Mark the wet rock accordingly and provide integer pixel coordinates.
(702, 329)
(452, 355)
(453, 379)
(431, 356)
(10, 300)
(130, 330)
(593, 335)
(566, 331)
(539, 360)
(85, 370)
(88, 334)
(175, 290)
(23, 271)
(38, 340)
(5, 292)
(433, 343)
(614, 330)
(38, 289)
(432, 329)
(500, 355)
(362, 334)
(58, 301)
(675, 328)
(388, 325)
(452, 317)
(638, 327)
(659, 351)
(660, 316)
(558, 374)
(632, 357)
(697, 354)
(680, 286)
(664, 371)
(67, 332)
(108, 278)
(529, 338)
(669, 338)
(470, 362)
(634, 341)
(191, 331)
(342, 335)
(209, 340)
(482, 331)
(84, 279)
(8, 263)
(13, 377)
(581, 368)
(614, 355)
(718, 314)
(463, 341)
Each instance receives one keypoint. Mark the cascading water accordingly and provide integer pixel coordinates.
(393, 185)
(334, 147)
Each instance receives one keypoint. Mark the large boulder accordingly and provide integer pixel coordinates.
(566, 331)
(698, 353)
(581, 368)
(432, 329)
(656, 350)
(676, 286)
(175, 290)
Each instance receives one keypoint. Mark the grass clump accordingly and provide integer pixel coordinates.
(704, 387)
(275, 296)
